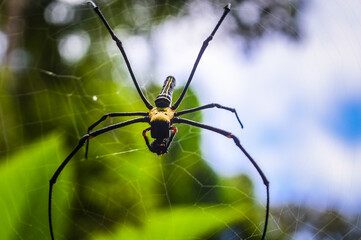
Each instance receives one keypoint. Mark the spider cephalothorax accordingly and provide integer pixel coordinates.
(161, 118)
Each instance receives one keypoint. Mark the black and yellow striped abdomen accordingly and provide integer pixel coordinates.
(164, 98)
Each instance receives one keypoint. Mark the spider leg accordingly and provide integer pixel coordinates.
(109, 115)
(203, 48)
(76, 149)
(174, 131)
(237, 142)
(120, 46)
(146, 138)
(211, 105)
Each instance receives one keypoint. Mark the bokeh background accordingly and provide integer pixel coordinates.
(291, 69)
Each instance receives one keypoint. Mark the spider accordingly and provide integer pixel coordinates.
(161, 118)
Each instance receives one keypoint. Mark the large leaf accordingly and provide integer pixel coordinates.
(187, 222)
(24, 184)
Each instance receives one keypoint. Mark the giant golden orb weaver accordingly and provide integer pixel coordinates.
(161, 118)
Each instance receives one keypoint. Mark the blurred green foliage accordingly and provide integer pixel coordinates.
(24, 180)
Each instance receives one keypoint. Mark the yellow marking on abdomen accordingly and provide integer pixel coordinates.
(167, 87)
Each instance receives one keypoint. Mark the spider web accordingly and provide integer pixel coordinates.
(204, 188)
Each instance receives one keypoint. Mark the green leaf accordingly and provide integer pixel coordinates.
(182, 222)
(24, 184)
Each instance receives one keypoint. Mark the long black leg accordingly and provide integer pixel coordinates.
(120, 46)
(109, 115)
(211, 105)
(76, 149)
(203, 48)
(237, 142)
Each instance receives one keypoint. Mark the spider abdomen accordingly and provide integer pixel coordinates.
(164, 98)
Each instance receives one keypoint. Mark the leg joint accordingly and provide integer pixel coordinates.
(223, 107)
(206, 42)
(145, 132)
(85, 138)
